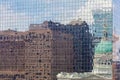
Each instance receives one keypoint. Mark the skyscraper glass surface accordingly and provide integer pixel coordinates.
(56, 39)
(116, 41)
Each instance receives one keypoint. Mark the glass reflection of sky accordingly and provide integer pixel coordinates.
(116, 25)
(116, 16)
(17, 13)
(116, 51)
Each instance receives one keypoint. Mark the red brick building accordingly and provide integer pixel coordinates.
(38, 54)
(116, 70)
(45, 50)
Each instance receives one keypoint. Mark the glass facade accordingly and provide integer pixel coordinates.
(116, 41)
(56, 40)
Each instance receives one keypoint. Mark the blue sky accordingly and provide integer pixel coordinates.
(116, 16)
(25, 12)
(20, 13)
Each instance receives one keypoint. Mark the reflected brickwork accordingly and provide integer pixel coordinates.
(45, 50)
(116, 70)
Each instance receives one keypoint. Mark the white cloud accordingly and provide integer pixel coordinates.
(66, 16)
(85, 13)
(11, 19)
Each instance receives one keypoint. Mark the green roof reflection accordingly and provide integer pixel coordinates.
(103, 47)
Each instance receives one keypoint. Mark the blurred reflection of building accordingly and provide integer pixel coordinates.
(102, 69)
(35, 54)
(116, 48)
(12, 58)
(102, 42)
(116, 57)
(45, 50)
(81, 38)
(102, 18)
(47, 53)
(116, 70)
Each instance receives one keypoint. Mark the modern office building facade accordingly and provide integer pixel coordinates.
(48, 37)
(103, 25)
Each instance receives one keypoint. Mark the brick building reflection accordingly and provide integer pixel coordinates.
(45, 50)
